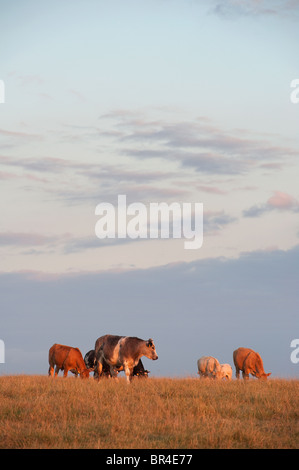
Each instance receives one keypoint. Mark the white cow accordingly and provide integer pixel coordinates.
(209, 366)
(226, 371)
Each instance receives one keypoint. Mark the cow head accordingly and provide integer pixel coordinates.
(217, 374)
(144, 373)
(263, 376)
(260, 375)
(84, 374)
(151, 350)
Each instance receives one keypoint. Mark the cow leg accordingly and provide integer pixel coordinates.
(95, 372)
(129, 373)
(65, 372)
(113, 372)
(245, 374)
(237, 373)
(56, 371)
(51, 371)
(98, 370)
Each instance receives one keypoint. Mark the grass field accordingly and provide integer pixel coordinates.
(155, 413)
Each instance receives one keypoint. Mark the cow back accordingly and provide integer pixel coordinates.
(240, 355)
(58, 354)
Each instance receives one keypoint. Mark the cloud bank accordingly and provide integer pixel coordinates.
(211, 307)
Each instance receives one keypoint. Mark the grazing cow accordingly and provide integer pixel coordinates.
(226, 371)
(249, 362)
(209, 367)
(89, 359)
(122, 353)
(91, 362)
(140, 371)
(67, 359)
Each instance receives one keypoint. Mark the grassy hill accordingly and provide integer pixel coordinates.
(154, 413)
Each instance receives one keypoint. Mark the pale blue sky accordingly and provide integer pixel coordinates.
(161, 100)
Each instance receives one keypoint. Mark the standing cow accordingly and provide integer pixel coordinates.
(249, 362)
(67, 359)
(122, 353)
(91, 362)
(209, 367)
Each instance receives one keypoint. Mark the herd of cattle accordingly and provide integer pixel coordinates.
(113, 354)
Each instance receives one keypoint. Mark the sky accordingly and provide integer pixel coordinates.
(164, 101)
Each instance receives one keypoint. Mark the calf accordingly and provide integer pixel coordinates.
(226, 371)
(140, 371)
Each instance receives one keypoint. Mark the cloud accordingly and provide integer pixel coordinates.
(30, 80)
(279, 201)
(79, 244)
(134, 139)
(211, 190)
(282, 201)
(21, 239)
(122, 173)
(19, 135)
(231, 9)
(44, 165)
(197, 145)
(215, 221)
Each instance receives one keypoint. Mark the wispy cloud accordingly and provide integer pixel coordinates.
(23, 239)
(30, 80)
(230, 9)
(278, 201)
(198, 145)
(19, 134)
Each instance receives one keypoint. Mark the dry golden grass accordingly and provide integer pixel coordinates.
(157, 413)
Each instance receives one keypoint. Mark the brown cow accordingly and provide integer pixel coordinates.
(67, 359)
(249, 362)
(122, 353)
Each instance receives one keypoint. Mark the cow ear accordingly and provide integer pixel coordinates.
(149, 342)
(268, 374)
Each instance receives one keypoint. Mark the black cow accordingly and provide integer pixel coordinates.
(90, 361)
